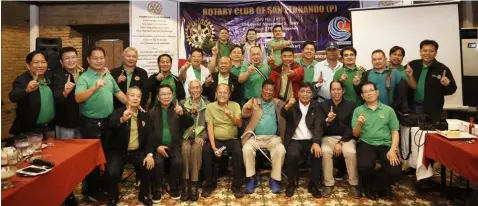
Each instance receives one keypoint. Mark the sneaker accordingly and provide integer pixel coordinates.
(386, 193)
(175, 194)
(274, 185)
(327, 191)
(314, 190)
(251, 185)
(340, 175)
(355, 192)
(290, 190)
(156, 196)
(371, 195)
(207, 191)
(238, 193)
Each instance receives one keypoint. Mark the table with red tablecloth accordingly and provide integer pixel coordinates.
(462, 158)
(74, 159)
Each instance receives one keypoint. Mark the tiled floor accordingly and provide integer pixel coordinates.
(404, 194)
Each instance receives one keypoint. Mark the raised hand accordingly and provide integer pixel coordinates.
(343, 77)
(215, 51)
(408, 70)
(100, 82)
(159, 77)
(356, 80)
(331, 116)
(178, 109)
(321, 78)
(444, 80)
(194, 108)
(127, 114)
(33, 84)
(121, 77)
(186, 65)
(251, 69)
(209, 80)
(271, 59)
(68, 86)
(361, 119)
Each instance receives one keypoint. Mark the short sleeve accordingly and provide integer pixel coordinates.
(396, 76)
(82, 85)
(338, 74)
(244, 68)
(209, 115)
(116, 88)
(355, 116)
(393, 123)
(236, 110)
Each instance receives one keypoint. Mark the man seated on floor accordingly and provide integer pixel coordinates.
(223, 117)
(269, 127)
(376, 126)
(170, 122)
(303, 135)
(338, 139)
(131, 142)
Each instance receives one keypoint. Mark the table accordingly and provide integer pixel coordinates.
(461, 158)
(73, 159)
(418, 139)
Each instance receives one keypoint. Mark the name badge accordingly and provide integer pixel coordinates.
(382, 116)
(136, 78)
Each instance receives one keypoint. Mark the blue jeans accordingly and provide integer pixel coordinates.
(67, 133)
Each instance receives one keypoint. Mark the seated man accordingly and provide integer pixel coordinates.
(303, 135)
(267, 124)
(194, 138)
(223, 117)
(169, 122)
(131, 142)
(376, 126)
(338, 138)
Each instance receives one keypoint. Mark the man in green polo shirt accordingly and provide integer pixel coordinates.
(348, 73)
(94, 92)
(223, 118)
(277, 44)
(376, 126)
(396, 58)
(307, 61)
(254, 74)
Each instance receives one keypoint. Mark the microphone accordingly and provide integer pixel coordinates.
(40, 162)
(220, 150)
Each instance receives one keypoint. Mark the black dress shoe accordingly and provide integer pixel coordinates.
(238, 193)
(207, 191)
(386, 193)
(314, 190)
(145, 200)
(371, 195)
(290, 190)
(185, 194)
(194, 193)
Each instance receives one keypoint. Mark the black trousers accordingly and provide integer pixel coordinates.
(370, 179)
(295, 150)
(94, 129)
(115, 163)
(234, 149)
(175, 163)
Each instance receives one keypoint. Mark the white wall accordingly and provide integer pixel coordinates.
(407, 26)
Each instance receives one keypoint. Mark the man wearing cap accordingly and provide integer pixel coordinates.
(324, 71)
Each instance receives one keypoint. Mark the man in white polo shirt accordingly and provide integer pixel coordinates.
(327, 69)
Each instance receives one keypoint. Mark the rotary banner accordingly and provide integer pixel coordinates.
(301, 21)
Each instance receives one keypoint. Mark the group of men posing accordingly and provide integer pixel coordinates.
(294, 108)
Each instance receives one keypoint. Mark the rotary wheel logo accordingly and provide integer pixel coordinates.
(197, 30)
(155, 8)
(339, 28)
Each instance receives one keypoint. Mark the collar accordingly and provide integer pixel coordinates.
(346, 68)
(301, 61)
(386, 69)
(90, 70)
(331, 102)
(219, 75)
(124, 68)
(379, 106)
(303, 106)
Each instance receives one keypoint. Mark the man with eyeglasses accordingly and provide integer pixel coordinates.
(338, 139)
(304, 131)
(376, 126)
(223, 117)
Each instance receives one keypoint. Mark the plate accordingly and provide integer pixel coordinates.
(463, 135)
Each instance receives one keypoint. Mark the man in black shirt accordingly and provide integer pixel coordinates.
(338, 138)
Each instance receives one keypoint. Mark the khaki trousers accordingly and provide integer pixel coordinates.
(349, 153)
(192, 158)
(272, 143)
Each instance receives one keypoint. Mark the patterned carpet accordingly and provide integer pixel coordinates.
(404, 193)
